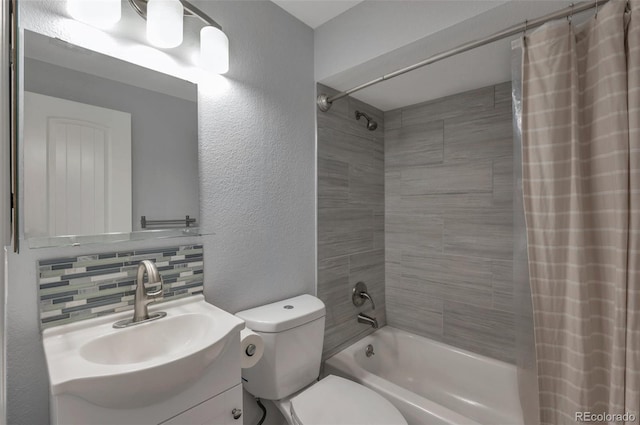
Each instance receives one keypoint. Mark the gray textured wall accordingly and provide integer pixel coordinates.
(449, 220)
(257, 183)
(164, 137)
(350, 218)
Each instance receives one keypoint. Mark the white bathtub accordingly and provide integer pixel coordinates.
(432, 383)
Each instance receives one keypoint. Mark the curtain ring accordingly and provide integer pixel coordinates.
(524, 32)
(596, 15)
(570, 16)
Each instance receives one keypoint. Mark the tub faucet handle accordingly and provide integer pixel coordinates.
(360, 295)
(367, 296)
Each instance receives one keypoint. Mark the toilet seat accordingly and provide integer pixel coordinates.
(337, 401)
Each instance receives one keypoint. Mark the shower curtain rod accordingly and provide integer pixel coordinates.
(324, 101)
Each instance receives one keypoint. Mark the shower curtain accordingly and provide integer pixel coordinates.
(581, 184)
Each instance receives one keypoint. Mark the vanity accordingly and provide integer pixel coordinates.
(183, 368)
(129, 338)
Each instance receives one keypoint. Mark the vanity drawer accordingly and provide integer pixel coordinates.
(215, 411)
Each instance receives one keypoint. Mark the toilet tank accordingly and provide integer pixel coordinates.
(293, 332)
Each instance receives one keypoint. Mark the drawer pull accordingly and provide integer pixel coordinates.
(236, 413)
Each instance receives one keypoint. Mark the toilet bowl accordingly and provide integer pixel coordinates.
(293, 332)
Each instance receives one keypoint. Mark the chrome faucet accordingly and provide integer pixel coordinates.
(368, 320)
(142, 298)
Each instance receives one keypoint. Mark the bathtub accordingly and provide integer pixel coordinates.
(432, 383)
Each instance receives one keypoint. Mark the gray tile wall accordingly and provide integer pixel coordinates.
(350, 218)
(88, 286)
(449, 220)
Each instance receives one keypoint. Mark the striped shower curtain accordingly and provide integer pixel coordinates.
(581, 185)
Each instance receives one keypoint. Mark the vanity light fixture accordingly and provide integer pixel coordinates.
(164, 25)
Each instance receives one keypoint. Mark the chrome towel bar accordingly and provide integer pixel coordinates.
(187, 221)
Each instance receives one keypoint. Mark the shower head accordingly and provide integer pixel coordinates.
(371, 124)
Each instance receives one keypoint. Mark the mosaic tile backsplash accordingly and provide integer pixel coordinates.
(88, 286)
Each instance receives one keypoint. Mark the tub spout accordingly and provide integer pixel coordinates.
(367, 320)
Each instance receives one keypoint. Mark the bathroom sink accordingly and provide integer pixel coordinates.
(141, 364)
(143, 343)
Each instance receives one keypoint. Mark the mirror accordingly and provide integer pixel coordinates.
(109, 148)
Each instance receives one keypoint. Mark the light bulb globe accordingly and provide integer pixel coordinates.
(165, 23)
(214, 50)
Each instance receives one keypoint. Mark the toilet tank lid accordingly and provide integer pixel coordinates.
(283, 315)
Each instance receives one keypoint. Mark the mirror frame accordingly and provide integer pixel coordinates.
(13, 119)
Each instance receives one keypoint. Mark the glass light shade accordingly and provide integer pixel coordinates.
(99, 13)
(214, 50)
(164, 23)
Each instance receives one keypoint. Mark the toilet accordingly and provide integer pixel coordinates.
(287, 373)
